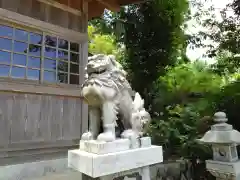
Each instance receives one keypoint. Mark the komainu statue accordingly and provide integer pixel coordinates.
(111, 105)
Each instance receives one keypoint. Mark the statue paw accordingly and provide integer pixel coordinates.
(87, 136)
(133, 137)
(129, 134)
(106, 136)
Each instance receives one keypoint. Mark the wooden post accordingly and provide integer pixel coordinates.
(84, 63)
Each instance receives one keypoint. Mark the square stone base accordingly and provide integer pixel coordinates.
(96, 165)
(99, 147)
(224, 170)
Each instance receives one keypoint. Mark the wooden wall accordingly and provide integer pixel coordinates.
(76, 4)
(34, 125)
(37, 124)
(48, 13)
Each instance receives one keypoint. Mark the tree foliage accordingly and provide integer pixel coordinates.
(187, 84)
(152, 33)
(154, 39)
(101, 43)
(223, 34)
(227, 63)
(184, 101)
(228, 100)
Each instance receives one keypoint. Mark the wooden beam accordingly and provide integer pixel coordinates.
(13, 17)
(95, 9)
(110, 4)
(127, 2)
(63, 7)
(31, 87)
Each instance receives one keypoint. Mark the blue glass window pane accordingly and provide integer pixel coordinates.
(5, 44)
(21, 35)
(19, 59)
(49, 76)
(35, 38)
(18, 72)
(50, 41)
(50, 64)
(34, 62)
(33, 74)
(63, 44)
(50, 52)
(35, 50)
(6, 31)
(20, 47)
(4, 70)
(5, 57)
(63, 55)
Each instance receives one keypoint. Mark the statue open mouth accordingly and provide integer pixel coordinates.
(97, 72)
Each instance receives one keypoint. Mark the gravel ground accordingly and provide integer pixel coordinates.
(65, 176)
(62, 176)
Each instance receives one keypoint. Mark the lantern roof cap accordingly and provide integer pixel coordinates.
(221, 132)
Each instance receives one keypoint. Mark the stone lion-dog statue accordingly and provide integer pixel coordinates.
(109, 97)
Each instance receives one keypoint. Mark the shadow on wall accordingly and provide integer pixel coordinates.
(175, 170)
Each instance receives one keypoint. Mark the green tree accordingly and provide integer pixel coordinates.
(100, 43)
(228, 100)
(154, 39)
(226, 63)
(223, 34)
(187, 83)
(153, 34)
(184, 100)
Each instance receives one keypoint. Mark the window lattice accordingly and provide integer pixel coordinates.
(38, 56)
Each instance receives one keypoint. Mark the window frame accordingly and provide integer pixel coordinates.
(39, 87)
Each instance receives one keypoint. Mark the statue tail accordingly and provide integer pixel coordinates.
(138, 102)
(139, 111)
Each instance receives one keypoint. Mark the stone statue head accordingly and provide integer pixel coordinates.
(101, 63)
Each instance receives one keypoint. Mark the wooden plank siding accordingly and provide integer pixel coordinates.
(36, 119)
(46, 12)
(37, 124)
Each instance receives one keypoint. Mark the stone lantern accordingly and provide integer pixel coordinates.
(224, 140)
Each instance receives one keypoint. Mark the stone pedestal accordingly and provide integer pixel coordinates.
(110, 160)
(224, 170)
